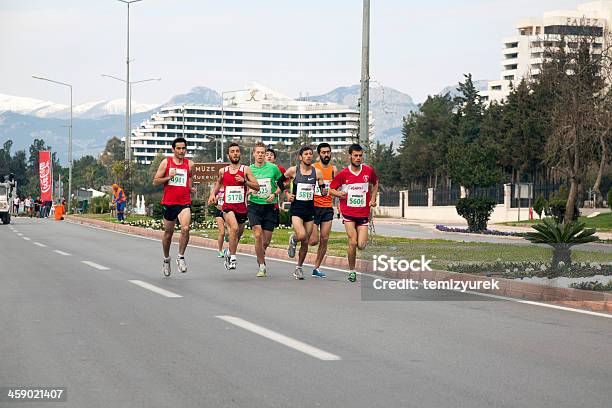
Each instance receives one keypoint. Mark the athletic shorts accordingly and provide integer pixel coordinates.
(305, 215)
(171, 212)
(359, 221)
(218, 213)
(241, 218)
(323, 214)
(264, 215)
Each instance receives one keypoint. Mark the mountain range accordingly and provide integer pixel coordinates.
(23, 119)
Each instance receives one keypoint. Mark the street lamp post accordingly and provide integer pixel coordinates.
(223, 114)
(128, 91)
(69, 140)
(130, 87)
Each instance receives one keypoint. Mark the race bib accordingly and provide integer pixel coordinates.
(265, 188)
(234, 194)
(305, 192)
(179, 179)
(318, 190)
(356, 196)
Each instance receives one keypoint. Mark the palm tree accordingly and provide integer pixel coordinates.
(561, 237)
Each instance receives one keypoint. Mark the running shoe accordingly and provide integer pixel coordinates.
(352, 276)
(226, 258)
(181, 264)
(292, 246)
(231, 265)
(221, 254)
(317, 273)
(262, 271)
(298, 273)
(166, 267)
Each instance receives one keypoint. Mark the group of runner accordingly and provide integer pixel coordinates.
(252, 192)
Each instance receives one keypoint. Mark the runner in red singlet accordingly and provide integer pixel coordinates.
(175, 173)
(234, 179)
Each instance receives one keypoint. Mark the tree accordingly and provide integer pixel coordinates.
(578, 80)
(113, 151)
(472, 155)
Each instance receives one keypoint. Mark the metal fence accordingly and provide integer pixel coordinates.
(417, 198)
(494, 192)
(528, 196)
(445, 196)
(390, 198)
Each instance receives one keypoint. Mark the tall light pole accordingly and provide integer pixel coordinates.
(69, 140)
(127, 92)
(223, 115)
(129, 84)
(364, 127)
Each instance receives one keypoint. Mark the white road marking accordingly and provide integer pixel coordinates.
(39, 244)
(26, 238)
(57, 251)
(329, 268)
(95, 265)
(19, 234)
(155, 289)
(281, 338)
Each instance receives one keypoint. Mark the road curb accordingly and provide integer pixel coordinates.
(576, 298)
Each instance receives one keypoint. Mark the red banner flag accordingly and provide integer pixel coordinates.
(44, 172)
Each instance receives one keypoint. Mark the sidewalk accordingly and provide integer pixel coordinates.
(498, 227)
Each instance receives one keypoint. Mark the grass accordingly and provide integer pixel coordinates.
(602, 222)
(441, 252)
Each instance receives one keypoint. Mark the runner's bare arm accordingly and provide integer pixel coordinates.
(321, 182)
(212, 199)
(335, 192)
(374, 194)
(159, 178)
(289, 174)
(251, 181)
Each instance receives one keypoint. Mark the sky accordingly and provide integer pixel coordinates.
(295, 47)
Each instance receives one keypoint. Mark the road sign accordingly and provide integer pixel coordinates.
(206, 172)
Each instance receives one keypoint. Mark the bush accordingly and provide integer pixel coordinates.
(610, 198)
(476, 211)
(156, 211)
(557, 210)
(99, 205)
(539, 205)
(198, 211)
(562, 194)
(284, 218)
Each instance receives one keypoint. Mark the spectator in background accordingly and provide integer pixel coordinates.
(119, 199)
(16, 202)
(28, 206)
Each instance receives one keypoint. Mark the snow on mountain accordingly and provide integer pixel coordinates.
(88, 110)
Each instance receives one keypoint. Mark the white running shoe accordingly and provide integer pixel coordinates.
(181, 264)
(298, 273)
(262, 273)
(292, 246)
(232, 263)
(166, 267)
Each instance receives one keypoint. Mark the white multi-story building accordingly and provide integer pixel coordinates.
(523, 53)
(254, 114)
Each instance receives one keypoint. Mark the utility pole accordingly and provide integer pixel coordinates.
(364, 126)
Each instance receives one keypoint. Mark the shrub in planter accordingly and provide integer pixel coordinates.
(562, 237)
(99, 205)
(156, 211)
(198, 211)
(476, 211)
(557, 210)
(284, 218)
(539, 205)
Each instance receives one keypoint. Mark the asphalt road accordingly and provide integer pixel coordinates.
(75, 318)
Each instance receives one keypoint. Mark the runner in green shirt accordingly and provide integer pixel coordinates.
(262, 210)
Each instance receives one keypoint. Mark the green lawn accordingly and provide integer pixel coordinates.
(603, 222)
(442, 252)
